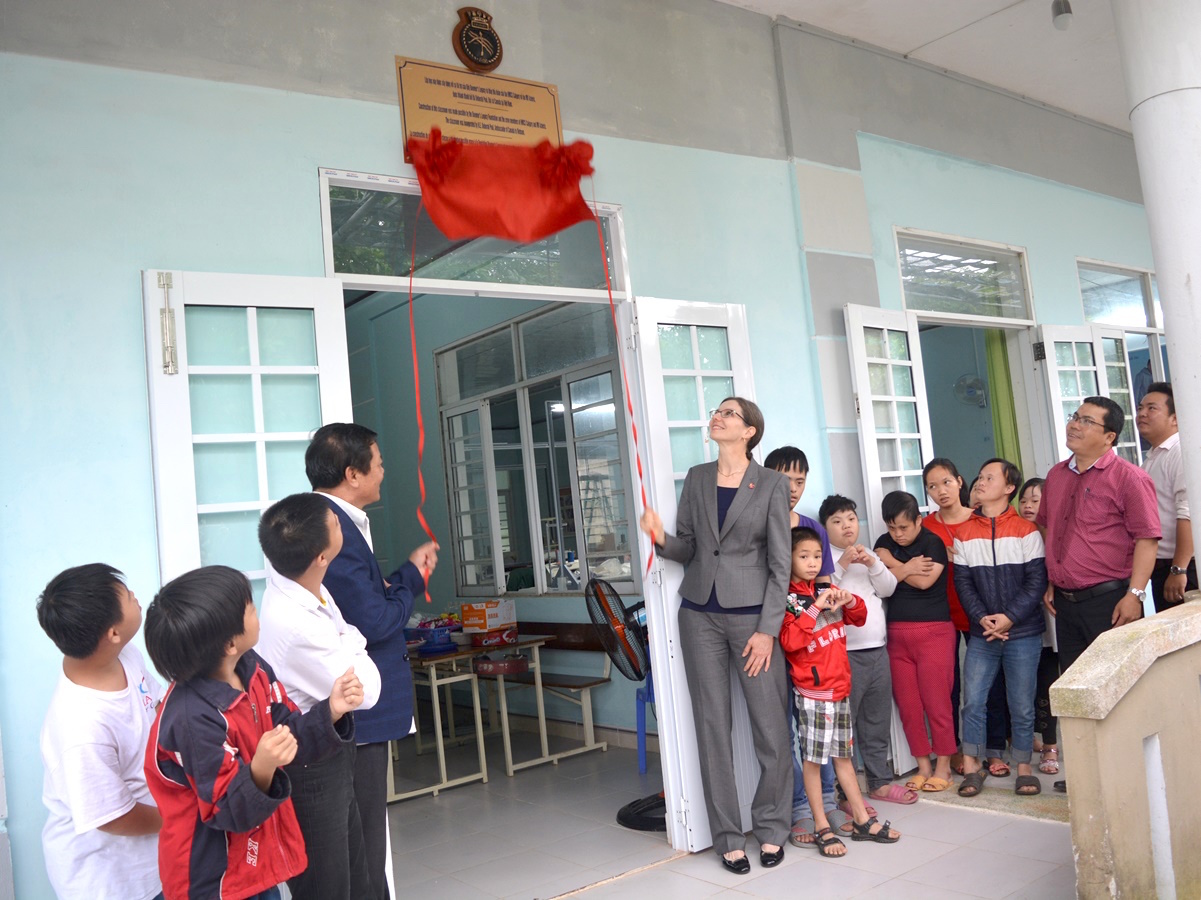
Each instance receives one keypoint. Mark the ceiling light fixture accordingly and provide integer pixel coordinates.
(1061, 14)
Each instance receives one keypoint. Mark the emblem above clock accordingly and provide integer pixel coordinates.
(475, 40)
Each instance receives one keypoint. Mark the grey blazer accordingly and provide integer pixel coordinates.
(751, 559)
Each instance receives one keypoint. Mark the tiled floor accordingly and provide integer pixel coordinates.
(550, 831)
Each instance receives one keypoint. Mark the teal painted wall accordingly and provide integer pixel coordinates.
(110, 171)
(911, 187)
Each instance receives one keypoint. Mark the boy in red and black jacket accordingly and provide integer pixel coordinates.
(223, 733)
(813, 637)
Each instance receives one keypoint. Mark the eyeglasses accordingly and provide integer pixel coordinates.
(1084, 420)
(724, 414)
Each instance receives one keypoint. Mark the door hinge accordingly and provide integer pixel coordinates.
(632, 342)
(166, 317)
(856, 406)
(682, 812)
(1040, 351)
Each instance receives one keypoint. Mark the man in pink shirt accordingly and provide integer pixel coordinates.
(1100, 521)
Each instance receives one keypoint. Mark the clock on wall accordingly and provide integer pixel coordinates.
(476, 42)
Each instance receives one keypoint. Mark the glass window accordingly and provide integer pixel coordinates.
(550, 501)
(954, 277)
(568, 336)
(1114, 296)
(372, 233)
(477, 367)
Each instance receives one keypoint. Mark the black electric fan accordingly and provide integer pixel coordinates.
(622, 632)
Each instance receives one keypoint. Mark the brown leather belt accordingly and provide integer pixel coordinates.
(1105, 587)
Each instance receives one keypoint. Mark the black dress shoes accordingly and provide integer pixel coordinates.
(767, 860)
(739, 866)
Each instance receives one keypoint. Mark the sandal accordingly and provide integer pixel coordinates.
(802, 833)
(934, 785)
(1050, 761)
(896, 794)
(999, 768)
(1022, 787)
(825, 841)
(916, 783)
(845, 806)
(973, 783)
(864, 832)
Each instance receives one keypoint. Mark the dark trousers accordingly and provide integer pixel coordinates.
(323, 797)
(997, 711)
(1159, 575)
(1045, 724)
(1078, 624)
(871, 712)
(371, 792)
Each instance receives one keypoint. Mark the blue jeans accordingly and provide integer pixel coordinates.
(1018, 657)
(800, 800)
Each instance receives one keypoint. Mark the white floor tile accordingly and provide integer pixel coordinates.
(516, 874)
(660, 883)
(1059, 884)
(1048, 841)
(944, 823)
(980, 872)
(812, 878)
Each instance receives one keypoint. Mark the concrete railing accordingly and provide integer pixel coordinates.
(1130, 719)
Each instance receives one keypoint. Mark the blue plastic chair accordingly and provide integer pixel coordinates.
(644, 696)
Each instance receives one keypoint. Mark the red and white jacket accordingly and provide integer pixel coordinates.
(815, 642)
(223, 838)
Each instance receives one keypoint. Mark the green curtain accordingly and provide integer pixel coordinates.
(1004, 414)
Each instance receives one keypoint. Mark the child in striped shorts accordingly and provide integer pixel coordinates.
(813, 637)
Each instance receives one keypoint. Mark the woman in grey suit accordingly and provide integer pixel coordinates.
(732, 535)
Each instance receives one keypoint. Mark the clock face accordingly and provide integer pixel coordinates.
(476, 42)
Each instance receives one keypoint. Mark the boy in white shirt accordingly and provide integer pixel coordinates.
(309, 645)
(101, 838)
(858, 570)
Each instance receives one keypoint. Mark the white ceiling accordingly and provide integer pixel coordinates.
(1007, 43)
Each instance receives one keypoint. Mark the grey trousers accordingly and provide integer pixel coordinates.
(871, 712)
(712, 649)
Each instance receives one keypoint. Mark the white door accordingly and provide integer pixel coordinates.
(1086, 361)
(690, 357)
(260, 363)
(890, 404)
(889, 387)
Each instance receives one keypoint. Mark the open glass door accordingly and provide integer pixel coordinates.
(257, 364)
(889, 387)
(1088, 361)
(690, 357)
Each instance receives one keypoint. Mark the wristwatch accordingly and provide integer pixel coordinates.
(1177, 570)
(1142, 595)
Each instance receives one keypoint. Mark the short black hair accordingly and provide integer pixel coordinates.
(192, 619)
(1013, 475)
(1115, 417)
(897, 504)
(294, 532)
(1165, 388)
(785, 459)
(804, 533)
(833, 504)
(1030, 483)
(79, 605)
(334, 449)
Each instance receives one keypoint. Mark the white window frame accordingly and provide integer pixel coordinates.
(176, 507)
(399, 184)
(968, 319)
(521, 387)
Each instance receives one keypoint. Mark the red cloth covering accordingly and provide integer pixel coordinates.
(518, 193)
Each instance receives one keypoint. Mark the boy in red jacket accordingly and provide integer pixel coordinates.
(814, 639)
(224, 732)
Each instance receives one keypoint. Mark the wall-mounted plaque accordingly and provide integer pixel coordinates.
(478, 109)
(475, 41)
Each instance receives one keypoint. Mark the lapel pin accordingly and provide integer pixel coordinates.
(750, 486)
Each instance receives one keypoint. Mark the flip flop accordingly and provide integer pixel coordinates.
(998, 769)
(916, 783)
(934, 785)
(801, 829)
(897, 794)
(845, 806)
(1027, 781)
(973, 783)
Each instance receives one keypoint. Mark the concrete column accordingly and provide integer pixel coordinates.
(1159, 41)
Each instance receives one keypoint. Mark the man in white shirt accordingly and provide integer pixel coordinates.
(1175, 568)
(309, 645)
